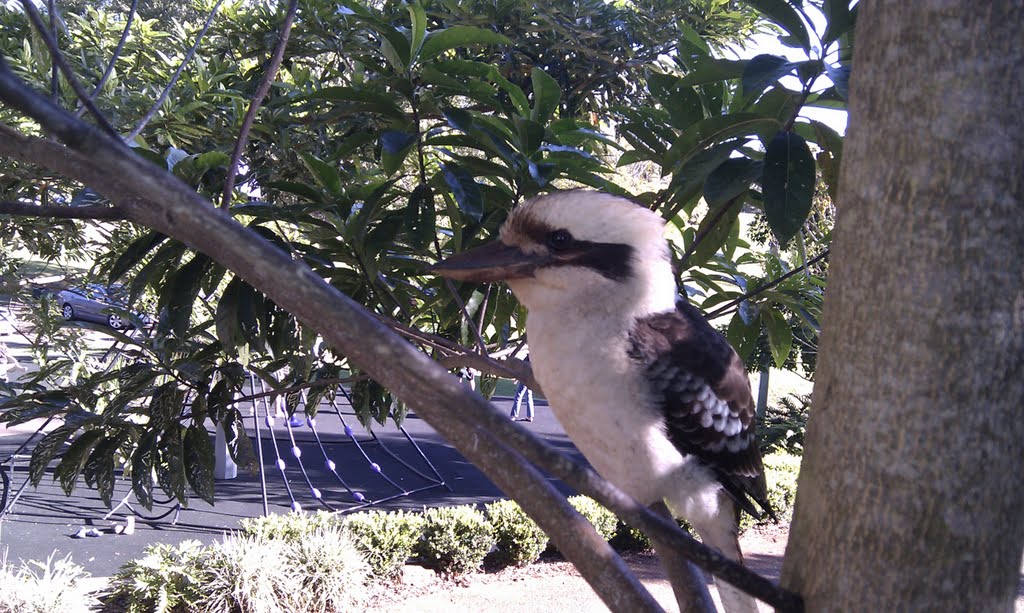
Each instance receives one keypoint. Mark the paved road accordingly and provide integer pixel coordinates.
(417, 468)
(415, 471)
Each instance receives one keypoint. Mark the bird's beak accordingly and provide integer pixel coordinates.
(495, 261)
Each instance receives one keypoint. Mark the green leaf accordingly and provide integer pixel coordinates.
(99, 468)
(419, 30)
(420, 218)
(531, 135)
(439, 41)
(762, 71)
(839, 19)
(395, 146)
(712, 130)
(465, 189)
(44, 451)
(74, 459)
(710, 70)
(326, 175)
(182, 290)
(226, 320)
(170, 470)
(783, 15)
(198, 453)
(715, 232)
(743, 336)
(546, 95)
(787, 185)
(731, 179)
(780, 335)
(368, 100)
(682, 103)
(142, 461)
(688, 179)
(134, 253)
(840, 76)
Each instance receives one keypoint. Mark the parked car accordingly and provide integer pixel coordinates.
(98, 303)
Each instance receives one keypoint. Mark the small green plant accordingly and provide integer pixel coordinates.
(167, 578)
(628, 538)
(455, 539)
(287, 526)
(520, 541)
(326, 572)
(603, 520)
(385, 539)
(783, 426)
(43, 587)
(246, 574)
(316, 570)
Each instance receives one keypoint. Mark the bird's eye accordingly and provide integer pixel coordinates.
(559, 239)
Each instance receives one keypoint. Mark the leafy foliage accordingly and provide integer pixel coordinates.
(454, 540)
(386, 539)
(783, 426)
(325, 573)
(395, 134)
(603, 520)
(520, 541)
(55, 584)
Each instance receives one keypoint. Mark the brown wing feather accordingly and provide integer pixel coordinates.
(705, 394)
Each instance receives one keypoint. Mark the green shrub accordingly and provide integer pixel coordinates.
(629, 539)
(287, 526)
(318, 570)
(385, 539)
(43, 587)
(781, 472)
(245, 573)
(782, 428)
(166, 578)
(455, 539)
(520, 541)
(603, 520)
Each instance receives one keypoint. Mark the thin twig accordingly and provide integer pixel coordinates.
(174, 78)
(113, 58)
(58, 59)
(52, 9)
(257, 101)
(25, 209)
(767, 286)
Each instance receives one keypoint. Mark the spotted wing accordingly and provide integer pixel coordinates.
(705, 395)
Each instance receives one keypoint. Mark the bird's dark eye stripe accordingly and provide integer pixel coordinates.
(559, 239)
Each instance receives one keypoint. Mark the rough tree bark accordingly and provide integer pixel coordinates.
(910, 495)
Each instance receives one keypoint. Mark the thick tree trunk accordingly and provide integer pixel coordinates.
(910, 498)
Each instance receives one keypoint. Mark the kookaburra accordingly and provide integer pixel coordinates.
(655, 399)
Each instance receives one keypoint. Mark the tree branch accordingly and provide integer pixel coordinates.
(257, 101)
(155, 198)
(25, 209)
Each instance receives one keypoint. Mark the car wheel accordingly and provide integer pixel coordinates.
(114, 321)
(68, 312)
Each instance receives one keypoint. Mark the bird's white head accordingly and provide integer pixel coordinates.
(577, 250)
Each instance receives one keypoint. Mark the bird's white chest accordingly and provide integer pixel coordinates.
(600, 397)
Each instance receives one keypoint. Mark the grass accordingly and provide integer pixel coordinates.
(55, 584)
